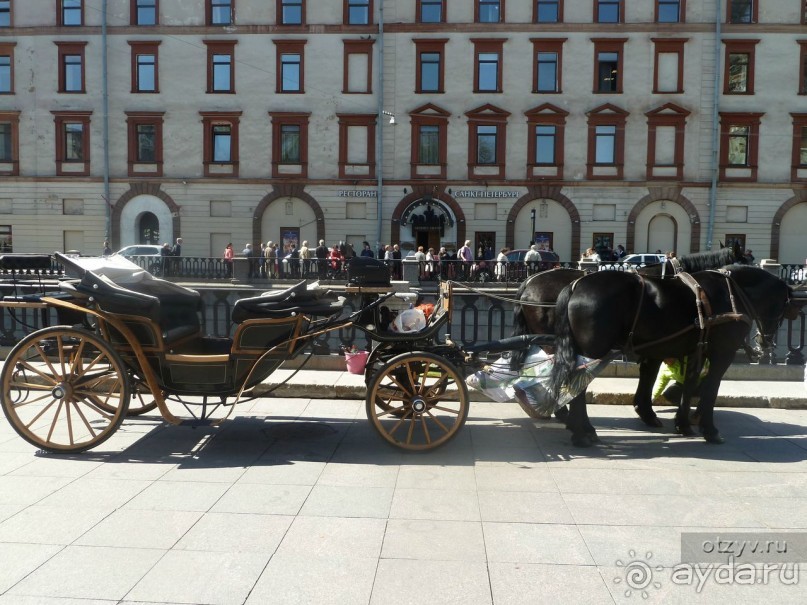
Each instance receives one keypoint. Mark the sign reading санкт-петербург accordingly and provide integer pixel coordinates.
(484, 193)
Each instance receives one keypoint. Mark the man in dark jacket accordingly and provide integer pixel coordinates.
(321, 254)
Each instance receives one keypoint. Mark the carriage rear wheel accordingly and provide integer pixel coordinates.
(418, 401)
(64, 389)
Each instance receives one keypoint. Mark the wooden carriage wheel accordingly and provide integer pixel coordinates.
(418, 401)
(64, 389)
(142, 401)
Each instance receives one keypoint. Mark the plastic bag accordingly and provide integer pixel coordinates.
(529, 385)
(409, 320)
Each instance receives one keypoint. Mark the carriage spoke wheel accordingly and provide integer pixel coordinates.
(418, 401)
(64, 389)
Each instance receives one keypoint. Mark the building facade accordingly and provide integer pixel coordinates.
(656, 124)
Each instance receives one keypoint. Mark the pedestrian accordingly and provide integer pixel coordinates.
(293, 261)
(262, 261)
(367, 251)
(107, 250)
(501, 264)
(466, 256)
(228, 259)
(165, 252)
(749, 257)
(620, 252)
(531, 259)
(396, 262)
(321, 252)
(271, 259)
(250, 261)
(420, 257)
(389, 261)
(176, 252)
(305, 259)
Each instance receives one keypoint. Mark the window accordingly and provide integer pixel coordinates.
(291, 12)
(5, 13)
(144, 67)
(220, 142)
(430, 11)
(739, 146)
(220, 66)
(7, 68)
(668, 65)
(357, 145)
(608, 11)
(739, 76)
(144, 12)
(71, 12)
(289, 144)
(487, 128)
(72, 142)
(742, 11)
(358, 68)
(489, 11)
(670, 11)
(145, 148)
(290, 66)
(6, 239)
(430, 68)
(547, 71)
(429, 144)
(606, 142)
(799, 164)
(488, 69)
(802, 79)
(548, 11)
(429, 152)
(666, 127)
(546, 125)
(9, 143)
(220, 12)
(608, 64)
(71, 66)
(357, 12)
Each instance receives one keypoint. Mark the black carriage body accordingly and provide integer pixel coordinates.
(366, 271)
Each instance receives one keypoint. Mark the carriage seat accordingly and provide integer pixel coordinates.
(174, 308)
(297, 299)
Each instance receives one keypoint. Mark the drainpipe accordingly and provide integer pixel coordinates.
(710, 226)
(105, 110)
(379, 134)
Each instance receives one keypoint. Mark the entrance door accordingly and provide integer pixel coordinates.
(428, 239)
(148, 230)
(487, 241)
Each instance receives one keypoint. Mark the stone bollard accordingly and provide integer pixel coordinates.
(588, 265)
(411, 270)
(771, 266)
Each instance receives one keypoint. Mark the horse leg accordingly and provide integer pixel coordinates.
(708, 394)
(683, 418)
(642, 399)
(583, 433)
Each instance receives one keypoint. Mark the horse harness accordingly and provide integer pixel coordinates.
(705, 320)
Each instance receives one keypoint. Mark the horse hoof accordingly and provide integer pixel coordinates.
(684, 430)
(584, 440)
(593, 437)
(562, 414)
(714, 438)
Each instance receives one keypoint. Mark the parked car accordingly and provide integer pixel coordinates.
(137, 252)
(517, 270)
(644, 260)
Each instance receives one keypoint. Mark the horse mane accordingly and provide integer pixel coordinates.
(701, 261)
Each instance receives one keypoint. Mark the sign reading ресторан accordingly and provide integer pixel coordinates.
(484, 193)
(358, 193)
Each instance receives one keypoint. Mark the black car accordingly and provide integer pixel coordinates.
(517, 270)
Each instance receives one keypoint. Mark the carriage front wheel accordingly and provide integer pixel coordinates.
(417, 401)
(64, 389)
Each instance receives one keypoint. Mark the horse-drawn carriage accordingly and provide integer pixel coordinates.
(129, 342)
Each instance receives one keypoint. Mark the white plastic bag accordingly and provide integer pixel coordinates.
(409, 320)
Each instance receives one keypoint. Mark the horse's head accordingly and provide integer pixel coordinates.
(771, 300)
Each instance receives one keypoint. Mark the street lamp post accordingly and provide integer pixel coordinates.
(532, 235)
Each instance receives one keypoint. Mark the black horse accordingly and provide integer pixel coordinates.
(658, 319)
(538, 294)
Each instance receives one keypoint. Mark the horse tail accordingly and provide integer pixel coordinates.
(519, 328)
(565, 354)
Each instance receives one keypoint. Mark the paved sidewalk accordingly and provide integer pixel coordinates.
(603, 390)
(298, 501)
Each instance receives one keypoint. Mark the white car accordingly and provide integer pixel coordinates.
(644, 260)
(139, 250)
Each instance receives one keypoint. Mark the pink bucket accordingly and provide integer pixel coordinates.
(356, 362)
